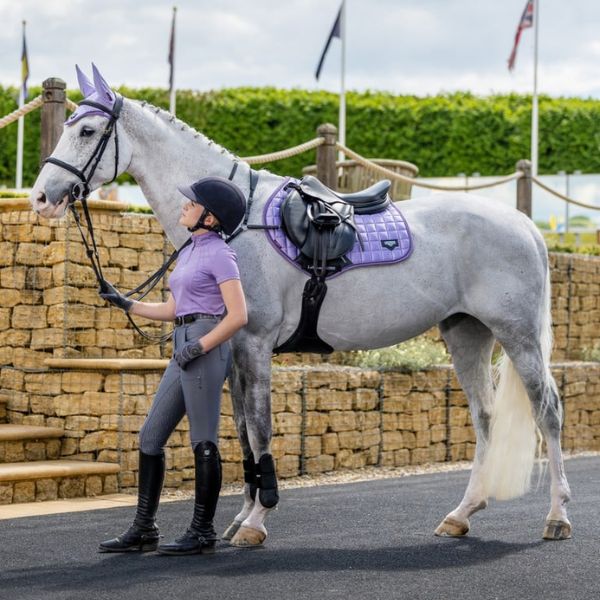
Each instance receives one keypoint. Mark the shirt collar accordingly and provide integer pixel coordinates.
(197, 240)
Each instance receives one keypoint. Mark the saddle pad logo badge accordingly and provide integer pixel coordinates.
(390, 244)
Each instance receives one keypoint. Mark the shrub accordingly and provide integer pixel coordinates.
(413, 355)
(443, 135)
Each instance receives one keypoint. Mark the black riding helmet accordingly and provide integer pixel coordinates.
(219, 196)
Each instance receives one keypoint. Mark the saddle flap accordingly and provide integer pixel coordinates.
(319, 229)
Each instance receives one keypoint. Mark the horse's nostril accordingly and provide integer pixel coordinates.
(41, 198)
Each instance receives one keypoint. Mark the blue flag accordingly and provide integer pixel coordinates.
(336, 31)
(24, 67)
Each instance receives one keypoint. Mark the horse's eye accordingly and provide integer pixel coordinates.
(86, 132)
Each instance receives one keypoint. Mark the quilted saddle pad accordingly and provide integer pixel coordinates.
(385, 235)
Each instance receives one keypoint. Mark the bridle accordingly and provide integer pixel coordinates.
(81, 191)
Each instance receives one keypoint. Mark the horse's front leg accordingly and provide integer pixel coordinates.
(253, 360)
(237, 385)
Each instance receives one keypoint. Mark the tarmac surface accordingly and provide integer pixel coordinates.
(372, 539)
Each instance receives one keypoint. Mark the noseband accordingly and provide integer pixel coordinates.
(81, 190)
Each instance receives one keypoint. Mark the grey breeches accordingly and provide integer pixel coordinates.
(195, 391)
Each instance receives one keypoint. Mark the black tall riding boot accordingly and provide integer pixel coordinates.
(143, 535)
(200, 538)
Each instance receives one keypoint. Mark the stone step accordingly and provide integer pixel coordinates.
(53, 479)
(20, 443)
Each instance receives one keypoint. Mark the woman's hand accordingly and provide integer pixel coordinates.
(188, 353)
(112, 295)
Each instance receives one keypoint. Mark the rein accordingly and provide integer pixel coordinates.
(81, 191)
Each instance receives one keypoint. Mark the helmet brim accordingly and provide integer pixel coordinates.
(188, 192)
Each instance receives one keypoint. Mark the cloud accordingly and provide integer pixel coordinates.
(413, 46)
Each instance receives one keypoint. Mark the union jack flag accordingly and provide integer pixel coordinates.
(525, 22)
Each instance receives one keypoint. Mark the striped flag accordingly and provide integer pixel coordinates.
(336, 32)
(525, 22)
(24, 67)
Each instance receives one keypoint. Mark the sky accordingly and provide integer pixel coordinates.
(402, 46)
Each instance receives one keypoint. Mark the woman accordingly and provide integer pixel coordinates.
(204, 285)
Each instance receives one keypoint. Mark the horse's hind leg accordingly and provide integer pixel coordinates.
(557, 526)
(471, 344)
(528, 360)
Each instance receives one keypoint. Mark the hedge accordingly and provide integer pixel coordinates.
(443, 135)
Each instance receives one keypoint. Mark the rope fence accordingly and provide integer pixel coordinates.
(431, 186)
(287, 153)
(562, 196)
(72, 106)
(15, 115)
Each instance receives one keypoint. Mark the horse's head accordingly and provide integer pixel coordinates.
(87, 154)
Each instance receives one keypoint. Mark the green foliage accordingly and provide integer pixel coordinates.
(591, 354)
(444, 135)
(582, 221)
(591, 250)
(144, 210)
(12, 194)
(414, 355)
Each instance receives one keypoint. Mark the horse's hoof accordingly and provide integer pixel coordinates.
(247, 537)
(450, 527)
(557, 530)
(231, 530)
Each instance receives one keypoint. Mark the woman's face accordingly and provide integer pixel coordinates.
(191, 212)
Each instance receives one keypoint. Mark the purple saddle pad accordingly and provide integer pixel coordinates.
(385, 235)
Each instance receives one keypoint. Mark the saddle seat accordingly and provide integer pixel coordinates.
(365, 202)
(321, 223)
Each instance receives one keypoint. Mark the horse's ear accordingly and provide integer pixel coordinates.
(102, 88)
(85, 85)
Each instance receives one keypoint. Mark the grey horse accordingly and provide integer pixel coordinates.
(478, 270)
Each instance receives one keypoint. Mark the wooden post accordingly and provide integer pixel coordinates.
(326, 153)
(524, 187)
(53, 114)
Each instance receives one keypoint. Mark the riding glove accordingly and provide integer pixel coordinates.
(112, 295)
(188, 353)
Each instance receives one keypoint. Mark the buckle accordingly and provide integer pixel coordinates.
(184, 319)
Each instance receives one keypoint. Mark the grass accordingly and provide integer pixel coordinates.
(413, 355)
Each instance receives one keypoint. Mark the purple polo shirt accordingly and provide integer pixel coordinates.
(207, 262)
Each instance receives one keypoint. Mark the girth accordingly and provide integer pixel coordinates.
(321, 225)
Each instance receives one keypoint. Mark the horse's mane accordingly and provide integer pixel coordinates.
(172, 121)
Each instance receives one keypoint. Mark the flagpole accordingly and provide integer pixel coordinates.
(172, 97)
(342, 115)
(534, 106)
(20, 134)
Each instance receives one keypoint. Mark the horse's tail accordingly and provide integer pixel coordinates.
(514, 436)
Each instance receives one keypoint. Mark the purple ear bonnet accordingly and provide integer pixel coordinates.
(99, 91)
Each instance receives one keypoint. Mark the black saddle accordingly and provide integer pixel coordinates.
(321, 223)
